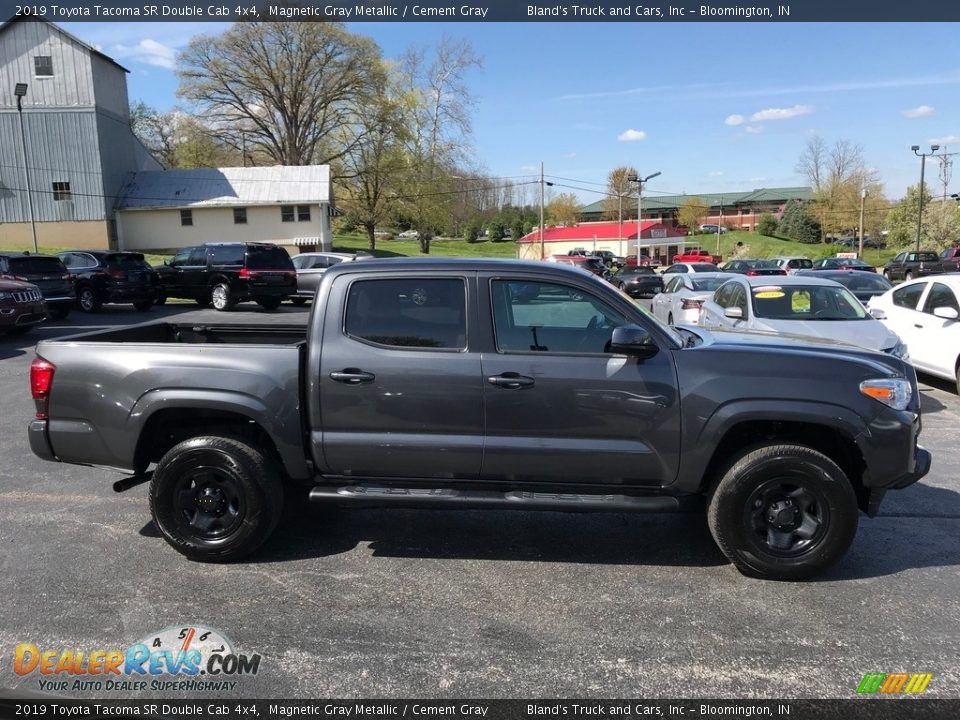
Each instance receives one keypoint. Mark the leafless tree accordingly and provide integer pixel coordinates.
(291, 86)
(619, 190)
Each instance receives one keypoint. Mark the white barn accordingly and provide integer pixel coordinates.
(287, 205)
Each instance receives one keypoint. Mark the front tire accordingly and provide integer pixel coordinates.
(908, 277)
(783, 512)
(143, 305)
(215, 499)
(60, 313)
(298, 301)
(221, 297)
(87, 300)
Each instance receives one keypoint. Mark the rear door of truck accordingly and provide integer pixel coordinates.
(400, 389)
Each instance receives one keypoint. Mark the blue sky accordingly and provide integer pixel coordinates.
(713, 107)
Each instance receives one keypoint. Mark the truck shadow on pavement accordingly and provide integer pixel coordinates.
(916, 530)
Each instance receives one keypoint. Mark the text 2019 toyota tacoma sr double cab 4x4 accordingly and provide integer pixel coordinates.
(485, 384)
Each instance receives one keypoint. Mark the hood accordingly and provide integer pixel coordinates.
(16, 286)
(870, 334)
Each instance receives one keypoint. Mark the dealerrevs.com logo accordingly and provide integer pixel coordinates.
(188, 658)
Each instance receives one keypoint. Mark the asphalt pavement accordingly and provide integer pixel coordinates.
(400, 603)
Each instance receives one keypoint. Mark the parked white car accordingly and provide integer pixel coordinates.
(926, 314)
(796, 305)
(406, 234)
(791, 263)
(684, 293)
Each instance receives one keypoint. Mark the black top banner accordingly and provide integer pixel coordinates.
(484, 11)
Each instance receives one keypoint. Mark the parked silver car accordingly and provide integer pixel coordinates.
(798, 305)
(684, 293)
(311, 266)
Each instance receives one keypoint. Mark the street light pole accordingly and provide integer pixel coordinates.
(20, 90)
(863, 196)
(923, 166)
(640, 181)
(542, 248)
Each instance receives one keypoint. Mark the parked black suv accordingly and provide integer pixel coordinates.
(47, 273)
(102, 276)
(227, 273)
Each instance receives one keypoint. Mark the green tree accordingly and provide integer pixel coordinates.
(564, 209)
(798, 224)
(692, 212)
(619, 192)
(902, 219)
(767, 225)
(495, 230)
(471, 230)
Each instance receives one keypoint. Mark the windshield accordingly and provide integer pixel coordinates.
(763, 264)
(803, 302)
(127, 261)
(707, 284)
(33, 265)
(870, 282)
(267, 258)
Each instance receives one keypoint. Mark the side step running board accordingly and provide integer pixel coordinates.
(512, 499)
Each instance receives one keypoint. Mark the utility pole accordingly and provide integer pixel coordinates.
(640, 181)
(863, 196)
(719, 226)
(543, 255)
(923, 166)
(20, 91)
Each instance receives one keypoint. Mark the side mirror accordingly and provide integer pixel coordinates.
(167, 263)
(734, 313)
(633, 340)
(877, 313)
(947, 313)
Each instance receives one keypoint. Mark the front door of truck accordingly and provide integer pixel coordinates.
(560, 407)
(400, 391)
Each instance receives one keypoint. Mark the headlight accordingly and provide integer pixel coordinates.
(893, 392)
(899, 350)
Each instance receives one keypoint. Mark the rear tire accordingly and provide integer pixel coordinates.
(143, 305)
(670, 319)
(87, 300)
(783, 512)
(161, 299)
(269, 303)
(203, 301)
(215, 499)
(298, 301)
(221, 297)
(908, 277)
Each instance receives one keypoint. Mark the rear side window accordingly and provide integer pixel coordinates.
(31, 265)
(268, 258)
(908, 296)
(227, 254)
(409, 313)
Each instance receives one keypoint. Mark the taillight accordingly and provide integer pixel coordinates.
(245, 274)
(117, 274)
(752, 272)
(68, 276)
(691, 304)
(41, 378)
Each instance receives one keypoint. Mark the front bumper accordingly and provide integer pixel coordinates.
(130, 294)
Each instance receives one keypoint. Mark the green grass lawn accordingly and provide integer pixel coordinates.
(758, 247)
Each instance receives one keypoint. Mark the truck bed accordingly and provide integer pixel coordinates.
(197, 334)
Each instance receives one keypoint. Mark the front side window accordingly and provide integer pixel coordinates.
(909, 295)
(181, 257)
(198, 256)
(409, 313)
(43, 65)
(549, 317)
(940, 296)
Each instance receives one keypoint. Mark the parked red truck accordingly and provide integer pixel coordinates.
(950, 260)
(694, 256)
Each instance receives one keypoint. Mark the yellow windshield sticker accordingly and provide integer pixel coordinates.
(769, 294)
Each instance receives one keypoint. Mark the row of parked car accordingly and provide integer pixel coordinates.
(221, 275)
(918, 320)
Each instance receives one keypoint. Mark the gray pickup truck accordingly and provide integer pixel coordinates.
(485, 384)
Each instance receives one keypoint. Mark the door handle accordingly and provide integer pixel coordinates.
(511, 381)
(918, 326)
(352, 376)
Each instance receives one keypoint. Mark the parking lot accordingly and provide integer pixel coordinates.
(380, 603)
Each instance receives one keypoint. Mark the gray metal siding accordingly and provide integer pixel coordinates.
(72, 82)
(120, 154)
(61, 147)
(110, 87)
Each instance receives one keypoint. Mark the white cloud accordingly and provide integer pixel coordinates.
(781, 113)
(631, 135)
(715, 173)
(146, 51)
(569, 156)
(529, 168)
(948, 140)
(920, 111)
(735, 120)
(754, 129)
